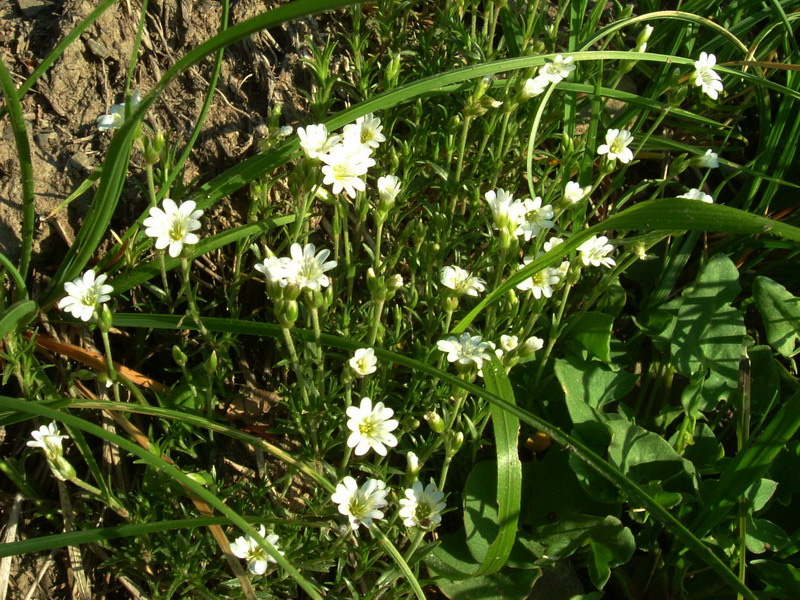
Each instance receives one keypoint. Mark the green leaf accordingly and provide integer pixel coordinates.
(781, 313)
(579, 450)
(665, 214)
(609, 542)
(760, 492)
(508, 489)
(593, 331)
(748, 467)
(17, 315)
(645, 456)
(783, 580)
(708, 333)
(763, 535)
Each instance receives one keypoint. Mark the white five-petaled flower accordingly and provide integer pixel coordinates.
(557, 70)
(309, 268)
(616, 146)
(85, 294)
(422, 507)
(595, 251)
(574, 193)
(535, 217)
(540, 283)
(709, 160)
(344, 167)
(531, 345)
(371, 427)
(695, 194)
(706, 77)
(49, 439)
(315, 141)
(461, 281)
(364, 362)
(465, 349)
(257, 558)
(360, 505)
(116, 116)
(173, 225)
(366, 131)
(563, 268)
(388, 188)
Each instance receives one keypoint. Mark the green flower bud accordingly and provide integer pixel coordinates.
(104, 319)
(178, 356)
(409, 424)
(210, 365)
(61, 468)
(434, 421)
(452, 442)
(153, 148)
(678, 165)
(286, 311)
(412, 466)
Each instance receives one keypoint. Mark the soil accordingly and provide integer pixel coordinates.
(61, 112)
(62, 108)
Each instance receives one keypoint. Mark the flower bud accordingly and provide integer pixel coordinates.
(531, 345)
(409, 424)
(392, 72)
(61, 468)
(395, 282)
(412, 466)
(104, 319)
(178, 356)
(678, 165)
(454, 123)
(676, 92)
(452, 443)
(450, 303)
(314, 299)
(643, 37)
(286, 311)
(482, 87)
(210, 365)
(434, 421)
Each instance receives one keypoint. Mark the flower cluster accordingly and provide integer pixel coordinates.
(421, 507)
(515, 218)
(347, 157)
(469, 352)
(303, 269)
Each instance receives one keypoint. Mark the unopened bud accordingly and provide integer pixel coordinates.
(482, 87)
(453, 442)
(531, 345)
(178, 356)
(434, 421)
(104, 319)
(153, 147)
(210, 365)
(412, 466)
(395, 282)
(410, 424)
(450, 303)
(678, 165)
(286, 311)
(61, 468)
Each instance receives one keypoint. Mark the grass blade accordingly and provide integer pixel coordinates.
(19, 313)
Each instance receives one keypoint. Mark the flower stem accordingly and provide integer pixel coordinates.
(348, 401)
(376, 321)
(163, 267)
(193, 310)
(287, 337)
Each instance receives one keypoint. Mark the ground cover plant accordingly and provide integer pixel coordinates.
(508, 313)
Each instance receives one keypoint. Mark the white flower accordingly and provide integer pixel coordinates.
(706, 77)
(574, 193)
(531, 345)
(309, 269)
(388, 188)
(540, 283)
(364, 362)
(85, 294)
(422, 507)
(695, 194)
(536, 217)
(557, 70)
(344, 167)
(315, 140)
(563, 268)
(552, 243)
(116, 116)
(595, 251)
(360, 505)
(462, 281)
(534, 87)
(616, 146)
(278, 272)
(256, 557)
(509, 342)
(49, 439)
(709, 160)
(173, 225)
(465, 349)
(505, 210)
(366, 131)
(285, 131)
(371, 427)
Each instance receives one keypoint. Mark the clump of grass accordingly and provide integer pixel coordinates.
(467, 332)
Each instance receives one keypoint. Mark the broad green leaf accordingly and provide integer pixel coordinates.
(646, 456)
(593, 330)
(579, 451)
(708, 333)
(508, 488)
(764, 536)
(783, 580)
(781, 313)
(17, 315)
(760, 492)
(609, 543)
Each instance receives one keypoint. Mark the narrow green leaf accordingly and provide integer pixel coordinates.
(634, 492)
(17, 315)
(25, 165)
(12, 270)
